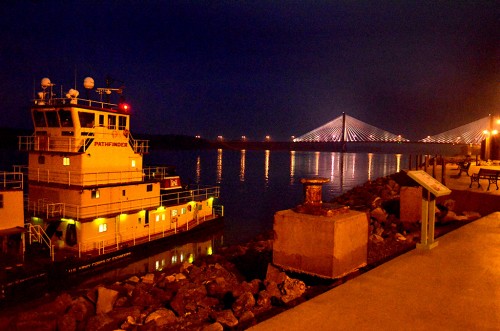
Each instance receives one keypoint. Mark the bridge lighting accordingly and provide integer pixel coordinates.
(197, 136)
(220, 138)
(486, 132)
(244, 138)
(268, 138)
(494, 132)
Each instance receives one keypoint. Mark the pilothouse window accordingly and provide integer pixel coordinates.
(66, 120)
(122, 122)
(52, 120)
(112, 122)
(39, 119)
(86, 119)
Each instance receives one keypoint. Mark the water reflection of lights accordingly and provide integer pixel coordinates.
(353, 165)
(266, 166)
(242, 165)
(187, 252)
(316, 163)
(198, 169)
(219, 165)
(370, 164)
(345, 170)
(332, 165)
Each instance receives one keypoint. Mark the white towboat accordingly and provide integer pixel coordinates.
(88, 191)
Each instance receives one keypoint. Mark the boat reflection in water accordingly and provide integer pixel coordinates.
(162, 258)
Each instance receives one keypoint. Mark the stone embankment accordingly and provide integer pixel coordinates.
(210, 294)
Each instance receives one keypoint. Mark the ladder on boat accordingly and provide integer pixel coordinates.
(37, 234)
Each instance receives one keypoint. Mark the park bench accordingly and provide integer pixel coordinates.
(490, 174)
(463, 166)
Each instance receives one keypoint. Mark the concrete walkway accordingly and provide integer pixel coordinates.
(455, 286)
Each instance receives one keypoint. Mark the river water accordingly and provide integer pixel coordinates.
(256, 184)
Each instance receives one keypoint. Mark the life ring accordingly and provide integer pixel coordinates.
(125, 133)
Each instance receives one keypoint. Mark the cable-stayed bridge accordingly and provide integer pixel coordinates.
(472, 133)
(349, 129)
(346, 133)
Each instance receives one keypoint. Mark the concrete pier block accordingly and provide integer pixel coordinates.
(325, 246)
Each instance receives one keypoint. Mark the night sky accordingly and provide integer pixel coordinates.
(257, 68)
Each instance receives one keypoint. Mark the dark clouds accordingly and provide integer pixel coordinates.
(264, 67)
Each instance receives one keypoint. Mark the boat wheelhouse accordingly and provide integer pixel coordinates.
(88, 190)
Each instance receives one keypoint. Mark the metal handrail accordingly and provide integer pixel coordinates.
(40, 236)
(75, 101)
(11, 180)
(77, 212)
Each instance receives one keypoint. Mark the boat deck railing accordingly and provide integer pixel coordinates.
(11, 180)
(97, 246)
(84, 179)
(75, 101)
(51, 210)
(99, 178)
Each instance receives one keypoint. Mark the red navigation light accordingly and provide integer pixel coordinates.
(124, 106)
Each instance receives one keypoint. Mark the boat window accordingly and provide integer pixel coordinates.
(52, 119)
(86, 119)
(67, 133)
(66, 161)
(149, 187)
(39, 119)
(95, 194)
(101, 120)
(41, 159)
(1, 200)
(103, 227)
(112, 122)
(122, 122)
(65, 117)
